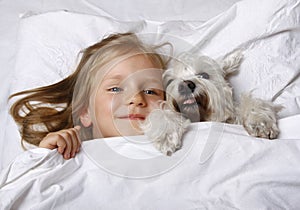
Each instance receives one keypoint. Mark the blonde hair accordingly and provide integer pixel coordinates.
(42, 107)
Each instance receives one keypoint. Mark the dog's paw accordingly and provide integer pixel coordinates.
(259, 117)
(168, 143)
(165, 128)
(263, 127)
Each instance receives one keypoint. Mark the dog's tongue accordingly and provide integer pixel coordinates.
(189, 101)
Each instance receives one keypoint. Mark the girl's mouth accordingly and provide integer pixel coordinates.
(133, 117)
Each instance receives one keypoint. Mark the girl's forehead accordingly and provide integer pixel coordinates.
(143, 76)
(124, 67)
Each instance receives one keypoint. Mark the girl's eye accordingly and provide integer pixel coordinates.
(203, 75)
(150, 92)
(115, 89)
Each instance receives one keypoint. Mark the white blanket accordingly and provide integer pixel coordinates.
(219, 167)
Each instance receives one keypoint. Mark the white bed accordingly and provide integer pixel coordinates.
(219, 166)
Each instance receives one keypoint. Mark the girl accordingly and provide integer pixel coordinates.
(114, 87)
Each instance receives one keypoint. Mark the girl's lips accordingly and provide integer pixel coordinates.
(133, 117)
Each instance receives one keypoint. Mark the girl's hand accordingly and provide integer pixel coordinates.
(66, 141)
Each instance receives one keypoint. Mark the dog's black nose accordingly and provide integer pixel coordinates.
(186, 87)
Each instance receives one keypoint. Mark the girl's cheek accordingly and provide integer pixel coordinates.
(116, 100)
(154, 103)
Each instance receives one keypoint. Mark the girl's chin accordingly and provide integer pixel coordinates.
(122, 129)
(132, 129)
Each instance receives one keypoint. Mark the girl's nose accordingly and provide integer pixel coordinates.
(137, 100)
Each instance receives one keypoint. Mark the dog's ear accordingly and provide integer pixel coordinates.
(231, 62)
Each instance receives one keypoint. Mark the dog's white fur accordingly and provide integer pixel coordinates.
(197, 90)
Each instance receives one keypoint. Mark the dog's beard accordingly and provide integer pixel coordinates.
(194, 107)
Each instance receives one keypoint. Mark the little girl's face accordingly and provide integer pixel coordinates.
(124, 98)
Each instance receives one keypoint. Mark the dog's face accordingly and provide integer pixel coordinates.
(196, 87)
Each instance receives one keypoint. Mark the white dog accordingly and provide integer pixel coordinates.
(197, 90)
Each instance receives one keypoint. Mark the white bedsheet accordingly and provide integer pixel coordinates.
(239, 172)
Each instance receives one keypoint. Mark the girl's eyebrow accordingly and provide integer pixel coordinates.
(147, 81)
(152, 81)
(113, 77)
(111, 80)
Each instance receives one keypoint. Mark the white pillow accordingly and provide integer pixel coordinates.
(157, 10)
(49, 43)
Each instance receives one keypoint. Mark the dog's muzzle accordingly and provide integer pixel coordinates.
(192, 104)
(186, 90)
(186, 87)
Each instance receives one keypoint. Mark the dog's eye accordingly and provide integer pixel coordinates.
(203, 75)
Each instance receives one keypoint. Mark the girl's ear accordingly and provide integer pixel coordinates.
(85, 119)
